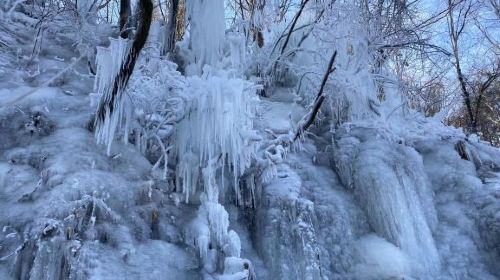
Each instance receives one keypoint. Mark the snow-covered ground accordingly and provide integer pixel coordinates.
(371, 199)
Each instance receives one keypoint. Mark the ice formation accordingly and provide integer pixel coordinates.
(390, 183)
(380, 259)
(216, 139)
(218, 131)
(207, 27)
(109, 62)
(154, 97)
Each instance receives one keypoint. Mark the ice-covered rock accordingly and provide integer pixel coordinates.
(390, 184)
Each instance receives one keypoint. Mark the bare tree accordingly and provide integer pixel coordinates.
(456, 27)
(257, 14)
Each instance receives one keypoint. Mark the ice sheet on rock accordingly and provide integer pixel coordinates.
(467, 236)
(151, 260)
(279, 117)
(236, 268)
(239, 223)
(284, 233)
(338, 220)
(59, 191)
(391, 186)
(303, 227)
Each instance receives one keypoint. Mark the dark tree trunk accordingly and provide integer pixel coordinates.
(172, 27)
(320, 97)
(108, 102)
(124, 18)
(465, 94)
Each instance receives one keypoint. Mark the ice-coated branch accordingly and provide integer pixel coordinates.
(292, 27)
(308, 120)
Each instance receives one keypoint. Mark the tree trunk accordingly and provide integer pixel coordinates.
(124, 18)
(172, 27)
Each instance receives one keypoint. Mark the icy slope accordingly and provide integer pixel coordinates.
(68, 211)
(401, 203)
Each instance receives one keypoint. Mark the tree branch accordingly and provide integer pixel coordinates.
(308, 119)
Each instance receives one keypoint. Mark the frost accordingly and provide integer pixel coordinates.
(238, 50)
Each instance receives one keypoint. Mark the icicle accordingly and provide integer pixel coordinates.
(218, 219)
(233, 245)
(219, 130)
(216, 135)
(207, 30)
(105, 132)
(109, 61)
(238, 51)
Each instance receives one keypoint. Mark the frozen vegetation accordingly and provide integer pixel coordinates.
(202, 171)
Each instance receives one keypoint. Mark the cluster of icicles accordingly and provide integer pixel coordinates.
(109, 61)
(215, 140)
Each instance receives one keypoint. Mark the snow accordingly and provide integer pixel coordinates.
(380, 259)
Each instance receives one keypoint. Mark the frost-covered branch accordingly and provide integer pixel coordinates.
(292, 27)
(308, 120)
